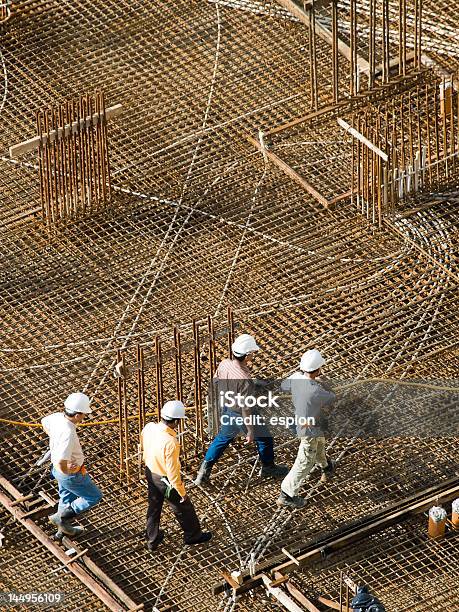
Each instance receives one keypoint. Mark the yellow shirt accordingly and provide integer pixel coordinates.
(161, 452)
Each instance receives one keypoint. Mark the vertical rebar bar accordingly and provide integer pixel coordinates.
(452, 138)
(126, 421)
(179, 384)
(230, 319)
(159, 377)
(335, 59)
(120, 417)
(197, 383)
(141, 418)
(40, 168)
(104, 140)
(437, 132)
(419, 56)
(352, 43)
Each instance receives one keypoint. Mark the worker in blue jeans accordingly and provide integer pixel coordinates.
(230, 429)
(234, 376)
(77, 491)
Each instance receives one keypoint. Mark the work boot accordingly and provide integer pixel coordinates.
(276, 471)
(204, 537)
(63, 526)
(203, 476)
(290, 502)
(152, 546)
(327, 472)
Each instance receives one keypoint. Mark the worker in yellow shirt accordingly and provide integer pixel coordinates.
(161, 452)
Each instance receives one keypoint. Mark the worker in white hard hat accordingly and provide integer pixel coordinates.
(234, 375)
(77, 491)
(161, 454)
(309, 396)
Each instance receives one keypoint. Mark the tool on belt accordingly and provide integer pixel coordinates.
(171, 494)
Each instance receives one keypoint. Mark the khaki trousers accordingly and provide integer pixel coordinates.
(310, 453)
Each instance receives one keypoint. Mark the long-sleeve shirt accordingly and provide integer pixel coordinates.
(161, 453)
(234, 377)
(309, 398)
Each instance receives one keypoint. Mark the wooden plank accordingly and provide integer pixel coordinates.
(57, 551)
(394, 62)
(324, 33)
(281, 596)
(33, 143)
(298, 595)
(290, 556)
(369, 529)
(97, 571)
(343, 196)
(362, 138)
(79, 572)
(289, 172)
(395, 513)
(333, 605)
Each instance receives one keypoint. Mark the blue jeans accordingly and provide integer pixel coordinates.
(76, 491)
(227, 433)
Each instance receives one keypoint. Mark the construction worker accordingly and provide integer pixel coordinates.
(161, 451)
(309, 397)
(234, 375)
(77, 491)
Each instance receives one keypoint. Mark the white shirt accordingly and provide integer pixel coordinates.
(63, 439)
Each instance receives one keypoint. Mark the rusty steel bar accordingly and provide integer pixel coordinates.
(125, 418)
(311, 54)
(159, 377)
(443, 109)
(73, 158)
(308, 553)
(437, 131)
(352, 44)
(335, 60)
(197, 383)
(40, 166)
(452, 138)
(179, 385)
(120, 417)
(104, 140)
(371, 72)
(140, 389)
(75, 568)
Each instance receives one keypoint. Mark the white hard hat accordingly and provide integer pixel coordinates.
(311, 360)
(174, 409)
(243, 345)
(77, 402)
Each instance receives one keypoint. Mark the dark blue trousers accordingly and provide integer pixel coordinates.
(229, 431)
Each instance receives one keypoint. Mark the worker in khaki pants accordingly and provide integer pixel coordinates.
(309, 397)
(161, 452)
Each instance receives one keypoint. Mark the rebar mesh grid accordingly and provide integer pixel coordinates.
(26, 568)
(199, 221)
(404, 568)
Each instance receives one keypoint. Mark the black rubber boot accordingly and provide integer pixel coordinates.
(290, 502)
(204, 537)
(274, 471)
(152, 546)
(203, 476)
(63, 526)
(68, 514)
(327, 472)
